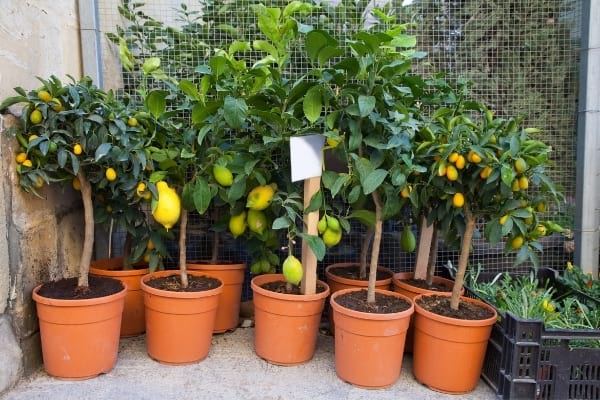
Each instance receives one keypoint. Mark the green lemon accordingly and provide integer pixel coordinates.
(257, 221)
(331, 237)
(223, 175)
(292, 270)
(408, 242)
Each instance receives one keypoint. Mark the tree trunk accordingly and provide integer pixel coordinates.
(463, 260)
(88, 239)
(127, 251)
(375, 249)
(215, 248)
(182, 249)
(364, 252)
(432, 256)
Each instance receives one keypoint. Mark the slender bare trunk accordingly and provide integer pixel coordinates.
(463, 260)
(432, 256)
(88, 239)
(375, 249)
(182, 249)
(215, 248)
(364, 252)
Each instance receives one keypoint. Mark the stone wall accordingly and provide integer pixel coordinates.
(40, 239)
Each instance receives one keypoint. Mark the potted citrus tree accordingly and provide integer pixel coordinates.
(501, 183)
(376, 110)
(75, 134)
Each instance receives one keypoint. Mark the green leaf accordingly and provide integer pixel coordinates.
(316, 244)
(237, 190)
(150, 65)
(312, 104)
(366, 104)
(365, 217)
(263, 45)
(238, 46)
(189, 88)
(156, 102)
(235, 111)
(316, 40)
(218, 65)
(507, 174)
(281, 223)
(373, 180)
(201, 196)
(201, 112)
(316, 201)
(102, 151)
(12, 100)
(404, 41)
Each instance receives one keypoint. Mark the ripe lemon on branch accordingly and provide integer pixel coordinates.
(260, 197)
(167, 208)
(292, 270)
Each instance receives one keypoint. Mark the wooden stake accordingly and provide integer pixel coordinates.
(311, 220)
(425, 234)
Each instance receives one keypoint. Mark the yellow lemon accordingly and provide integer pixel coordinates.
(515, 185)
(331, 142)
(19, 158)
(140, 189)
(257, 221)
(331, 237)
(110, 174)
(36, 116)
(485, 172)
(460, 162)
(405, 192)
(517, 242)
(44, 96)
(453, 157)
(27, 163)
(474, 157)
(132, 121)
(541, 206)
(56, 105)
(237, 224)
(458, 200)
(292, 270)
(451, 173)
(223, 175)
(39, 182)
(503, 219)
(150, 245)
(520, 165)
(76, 184)
(167, 208)
(523, 183)
(32, 138)
(260, 197)
(77, 149)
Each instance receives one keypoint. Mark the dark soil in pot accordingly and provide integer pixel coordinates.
(281, 287)
(441, 305)
(353, 272)
(173, 283)
(384, 304)
(67, 289)
(422, 284)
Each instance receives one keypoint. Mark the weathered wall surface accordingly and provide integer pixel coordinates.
(40, 239)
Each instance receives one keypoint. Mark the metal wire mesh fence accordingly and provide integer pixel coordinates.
(522, 56)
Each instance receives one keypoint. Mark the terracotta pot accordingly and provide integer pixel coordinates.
(337, 283)
(411, 292)
(448, 353)
(179, 325)
(232, 276)
(133, 322)
(286, 325)
(368, 346)
(80, 338)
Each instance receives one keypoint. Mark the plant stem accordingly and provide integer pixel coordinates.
(375, 249)
(127, 251)
(88, 239)
(463, 260)
(182, 249)
(364, 252)
(216, 237)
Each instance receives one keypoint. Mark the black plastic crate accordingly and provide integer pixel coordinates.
(524, 360)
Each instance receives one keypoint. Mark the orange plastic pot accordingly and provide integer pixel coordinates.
(286, 325)
(411, 292)
(368, 346)
(448, 353)
(80, 338)
(179, 325)
(337, 283)
(133, 322)
(232, 276)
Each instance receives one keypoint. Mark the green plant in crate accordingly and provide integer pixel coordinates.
(77, 134)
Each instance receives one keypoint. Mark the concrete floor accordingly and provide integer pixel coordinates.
(231, 371)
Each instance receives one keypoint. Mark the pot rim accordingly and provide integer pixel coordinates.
(373, 316)
(77, 302)
(456, 321)
(265, 278)
(170, 293)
